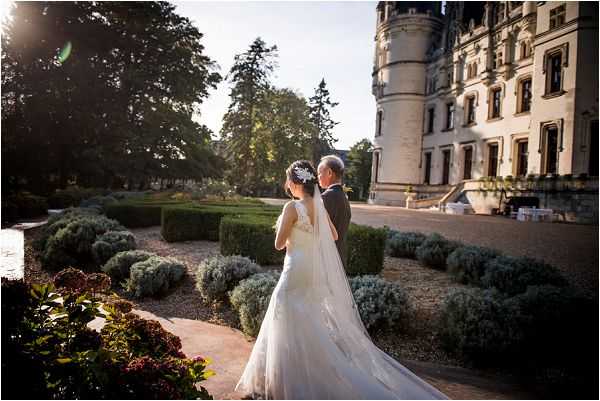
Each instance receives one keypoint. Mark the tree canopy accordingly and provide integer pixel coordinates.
(101, 93)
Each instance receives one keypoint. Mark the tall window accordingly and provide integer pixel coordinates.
(554, 73)
(593, 159)
(472, 70)
(468, 162)
(427, 179)
(522, 158)
(446, 167)
(557, 16)
(430, 119)
(524, 103)
(499, 59)
(551, 151)
(449, 115)
(494, 61)
(379, 121)
(492, 160)
(495, 103)
(470, 109)
(376, 166)
(525, 50)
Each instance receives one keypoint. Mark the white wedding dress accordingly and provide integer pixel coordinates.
(312, 343)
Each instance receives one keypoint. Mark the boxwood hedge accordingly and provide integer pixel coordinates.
(252, 236)
(366, 247)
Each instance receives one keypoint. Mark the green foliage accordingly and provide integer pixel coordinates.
(249, 77)
(366, 246)
(118, 267)
(251, 300)
(72, 196)
(358, 172)
(218, 275)
(252, 236)
(467, 263)
(404, 244)
(47, 340)
(321, 138)
(382, 304)
(480, 325)
(29, 205)
(69, 240)
(134, 215)
(111, 242)
(98, 201)
(512, 275)
(127, 124)
(60, 220)
(434, 251)
(201, 222)
(154, 276)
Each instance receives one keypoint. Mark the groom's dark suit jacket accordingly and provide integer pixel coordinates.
(338, 207)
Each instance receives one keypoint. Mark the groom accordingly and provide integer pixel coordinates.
(331, 173)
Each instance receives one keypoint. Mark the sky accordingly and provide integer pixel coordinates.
(331, 40)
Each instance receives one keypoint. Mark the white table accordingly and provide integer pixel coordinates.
(534, 214)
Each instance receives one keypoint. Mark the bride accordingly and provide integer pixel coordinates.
(312, 343)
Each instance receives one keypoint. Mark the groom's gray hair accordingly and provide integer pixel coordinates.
(335, 164)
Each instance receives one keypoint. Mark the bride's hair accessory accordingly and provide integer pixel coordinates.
(304, 174)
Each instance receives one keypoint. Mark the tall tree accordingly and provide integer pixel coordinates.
(358, 175)
(92, 91)
(250, 76)
(320, 105)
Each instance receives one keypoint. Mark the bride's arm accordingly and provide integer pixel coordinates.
(333, 230)
(284, 229)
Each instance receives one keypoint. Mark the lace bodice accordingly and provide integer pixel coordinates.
(303, 222)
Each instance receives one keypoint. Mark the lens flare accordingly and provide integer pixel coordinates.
(65, 52)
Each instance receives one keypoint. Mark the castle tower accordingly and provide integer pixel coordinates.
(407, 32)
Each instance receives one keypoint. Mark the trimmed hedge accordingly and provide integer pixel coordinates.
(218, 275)
(404, 244)
(512, 275)
(154, 276)
(29, 205)
(434, 251)
(251, 236)
(72, 196)
(193, 222)
(251, 300)
(133, 215)
(467, 263)
(366, 248)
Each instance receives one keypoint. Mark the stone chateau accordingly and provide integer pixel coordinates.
(483, 90)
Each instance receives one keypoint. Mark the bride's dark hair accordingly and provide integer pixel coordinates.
(299, 172)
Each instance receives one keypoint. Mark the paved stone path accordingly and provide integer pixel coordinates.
(230, 349)
(12, 255)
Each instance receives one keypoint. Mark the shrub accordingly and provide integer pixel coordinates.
(60, 220)
(48, 340)
(480, 325)
(404, 244)
(366, 246)
(29, 205)
(133, 215)
(251, 300)
(99, 201)
(381, 303)
(467, 263)
(251, 236)
(154, 276)
(434, 251)
(110, 243)
(118, 267)
(187, 222)
(72, 243)
(128, 195)
(512, 275)
(72, 196)
(218, 275)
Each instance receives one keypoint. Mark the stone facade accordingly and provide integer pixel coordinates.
(484, 89)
